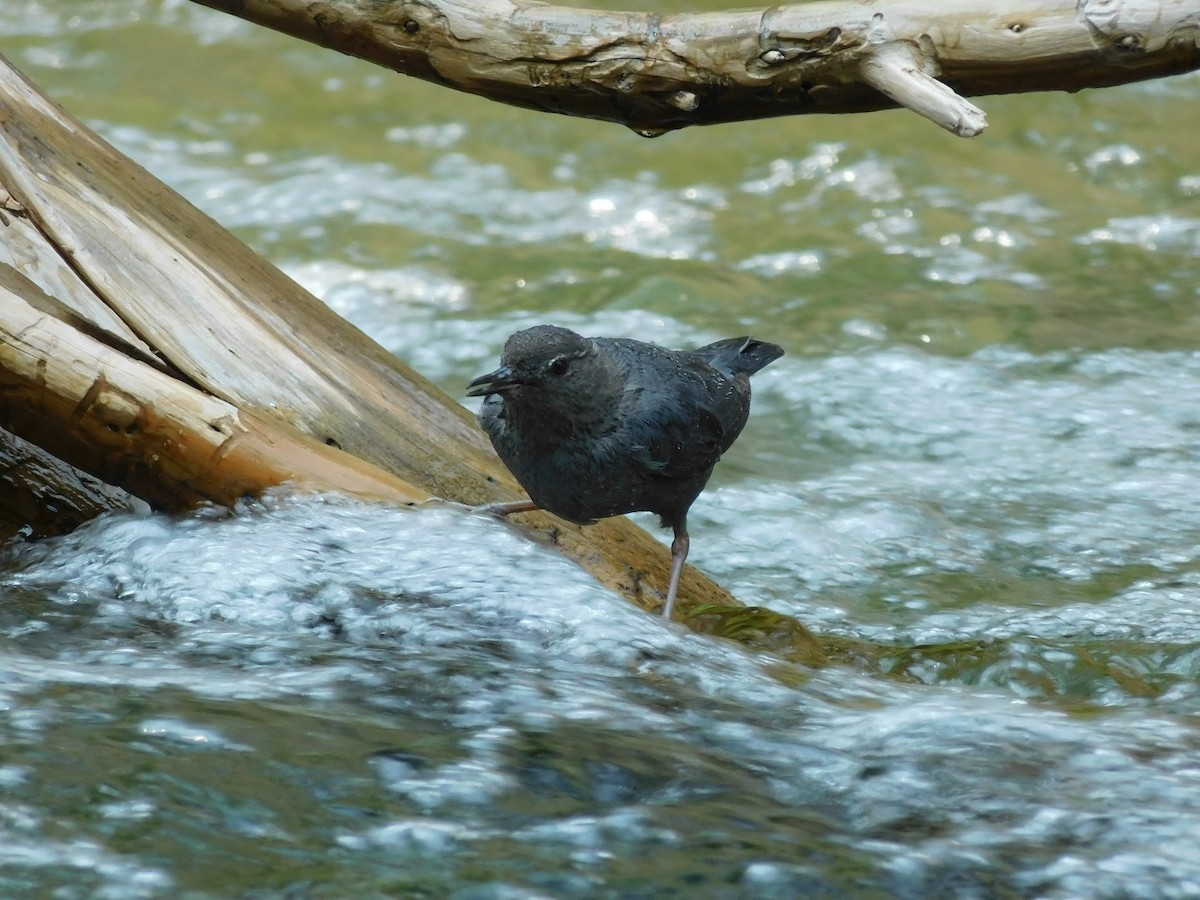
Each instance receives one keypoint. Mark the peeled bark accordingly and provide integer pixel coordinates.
(655, 73)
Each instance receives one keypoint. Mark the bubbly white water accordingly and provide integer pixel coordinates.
(451, 625)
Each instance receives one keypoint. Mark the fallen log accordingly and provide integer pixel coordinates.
(40, 495)
(208, 374)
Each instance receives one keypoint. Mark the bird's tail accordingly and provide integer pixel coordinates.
(734, 356)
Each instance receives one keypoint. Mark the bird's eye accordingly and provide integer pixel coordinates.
(559, 366)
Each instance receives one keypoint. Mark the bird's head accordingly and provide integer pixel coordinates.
(539, 364)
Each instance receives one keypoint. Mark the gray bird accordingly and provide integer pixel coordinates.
(597, 427)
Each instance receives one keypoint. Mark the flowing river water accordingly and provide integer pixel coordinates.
(981, 455)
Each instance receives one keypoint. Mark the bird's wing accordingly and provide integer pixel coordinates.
(683, 434)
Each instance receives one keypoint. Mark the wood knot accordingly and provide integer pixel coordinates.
(684, 100)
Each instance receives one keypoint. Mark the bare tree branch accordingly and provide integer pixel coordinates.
(658, 73)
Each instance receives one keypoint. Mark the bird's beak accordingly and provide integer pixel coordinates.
(503, 379)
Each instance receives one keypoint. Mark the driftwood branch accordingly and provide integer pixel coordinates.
(656, 73)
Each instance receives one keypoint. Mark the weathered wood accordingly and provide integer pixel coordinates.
(24, 256)
(655, 73)
(128, 423)
(40, 495)
(252, 348)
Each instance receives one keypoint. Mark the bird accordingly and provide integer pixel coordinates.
(593, 427)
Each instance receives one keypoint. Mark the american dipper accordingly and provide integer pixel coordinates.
(597, 427)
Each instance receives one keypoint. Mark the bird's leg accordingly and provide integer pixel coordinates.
(679, 552)
(501, 510)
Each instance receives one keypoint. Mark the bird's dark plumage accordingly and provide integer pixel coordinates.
(597, 427)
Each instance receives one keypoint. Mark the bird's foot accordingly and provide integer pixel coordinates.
(500, 510)
(679, 552)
